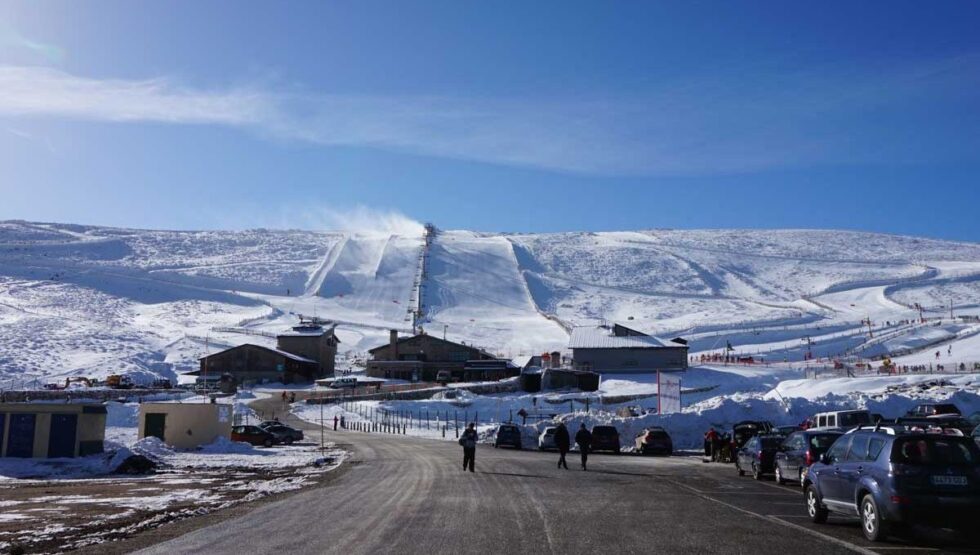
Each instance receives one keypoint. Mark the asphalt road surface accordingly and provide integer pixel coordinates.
(403, 495)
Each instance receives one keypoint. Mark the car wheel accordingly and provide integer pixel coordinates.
(779, 476)
(267, 442)
(756, 472)
(871, 525)
(739, 469)
(289, 441)
(816, 512)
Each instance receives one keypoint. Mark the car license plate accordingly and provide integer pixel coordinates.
(949, 480)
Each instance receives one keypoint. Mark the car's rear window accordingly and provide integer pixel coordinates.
(603, 430)
(508, 428)
(822, 442)
(658, 434)
(936, 451)
(772, 442)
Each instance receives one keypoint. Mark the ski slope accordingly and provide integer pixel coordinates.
(475, 289)
(89, 300)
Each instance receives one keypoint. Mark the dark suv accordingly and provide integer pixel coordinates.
(799, 451)
(758, 455)
(605, 438)
(508, 434)
(892, 476)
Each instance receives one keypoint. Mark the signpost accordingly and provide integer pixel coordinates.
(668, 392)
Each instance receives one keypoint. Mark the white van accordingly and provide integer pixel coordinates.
(842, 419)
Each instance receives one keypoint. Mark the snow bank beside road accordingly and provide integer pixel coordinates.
(814, 389)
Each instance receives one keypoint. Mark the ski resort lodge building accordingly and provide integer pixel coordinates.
(305, 354)
(617, 349)
(421, 358)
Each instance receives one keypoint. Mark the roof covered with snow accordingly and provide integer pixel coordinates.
(288, 355)
(605, 337)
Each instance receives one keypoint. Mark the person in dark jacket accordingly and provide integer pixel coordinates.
(584, 440)
(468, 441)
(563, 443)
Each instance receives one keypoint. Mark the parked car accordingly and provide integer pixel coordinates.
(976, 435)
(444, 377)
(786, 430)
(340, 383)
(799, 451)
(546, 441)
(253, 435)
(890, 476)
(286, 434)
(746, 430)
(508, 434)
(758, 456)
(605, 438)
(931, 409)
(654, 440)
(842, 419)
(940, 421)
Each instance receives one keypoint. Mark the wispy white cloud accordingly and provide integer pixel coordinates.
(737, 121)
(48, 52)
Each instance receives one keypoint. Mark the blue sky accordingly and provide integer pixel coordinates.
(493, 116)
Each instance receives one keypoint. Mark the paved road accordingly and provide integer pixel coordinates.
(407, 496)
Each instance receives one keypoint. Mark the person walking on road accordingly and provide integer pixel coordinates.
(335, 422)
(584, 440)
(468, 441)
(343, 423)
(563, 443)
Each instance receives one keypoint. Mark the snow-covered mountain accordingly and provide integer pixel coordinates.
(94, 300)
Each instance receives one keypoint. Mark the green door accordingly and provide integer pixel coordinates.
(155, 425)
(61, 439)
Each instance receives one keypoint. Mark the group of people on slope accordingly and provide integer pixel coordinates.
(562, 441)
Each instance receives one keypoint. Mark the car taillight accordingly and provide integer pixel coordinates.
(905, 470)
(759, 456)
(808, 459)
(901, 500)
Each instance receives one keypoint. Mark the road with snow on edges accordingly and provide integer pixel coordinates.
(404, 495)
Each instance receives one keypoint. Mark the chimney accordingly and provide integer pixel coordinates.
(394, 344)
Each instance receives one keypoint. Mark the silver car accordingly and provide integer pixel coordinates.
(546, 441)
